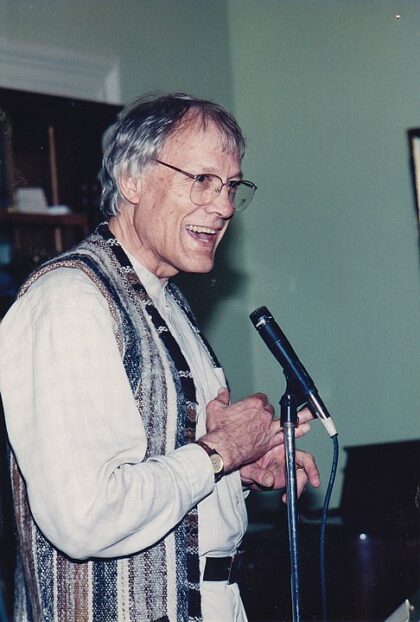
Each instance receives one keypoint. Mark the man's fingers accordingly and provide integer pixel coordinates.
(223, 396)
(278, 433)
(302, 429)
(306, 471)
(241, 432)
(306, 463)
(254, 474)
(305, 415)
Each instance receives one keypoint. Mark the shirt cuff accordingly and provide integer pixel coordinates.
(191, 464)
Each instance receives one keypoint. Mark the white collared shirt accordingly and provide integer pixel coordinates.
(77, 434)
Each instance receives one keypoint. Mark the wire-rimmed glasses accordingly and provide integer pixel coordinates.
(207, 186)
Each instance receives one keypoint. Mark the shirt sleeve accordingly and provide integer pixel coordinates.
(76, 431)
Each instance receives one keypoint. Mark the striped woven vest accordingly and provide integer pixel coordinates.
(50, 587)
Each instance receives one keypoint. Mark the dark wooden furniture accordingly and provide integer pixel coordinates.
(36, 237)
(28, 123)
(78, 127)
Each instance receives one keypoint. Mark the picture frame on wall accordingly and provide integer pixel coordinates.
(414, 143)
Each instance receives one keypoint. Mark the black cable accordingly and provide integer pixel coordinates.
(324, 525)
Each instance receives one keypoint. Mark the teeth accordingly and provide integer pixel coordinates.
(197, 229)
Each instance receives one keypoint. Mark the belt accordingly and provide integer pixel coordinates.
(223, 568)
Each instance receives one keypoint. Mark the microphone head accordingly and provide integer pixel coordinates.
(296, 375)
(260, 316)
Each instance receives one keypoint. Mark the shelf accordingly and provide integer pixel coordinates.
(56, 148)
(54, 220)
(52, 233)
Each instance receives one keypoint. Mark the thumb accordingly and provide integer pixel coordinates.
(257, 475)
(223, 396)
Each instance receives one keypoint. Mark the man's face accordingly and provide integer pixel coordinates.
(172, 234)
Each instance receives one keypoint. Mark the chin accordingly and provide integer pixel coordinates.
(199, 268)
(195, 263)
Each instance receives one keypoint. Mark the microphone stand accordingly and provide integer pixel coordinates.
(289, 421)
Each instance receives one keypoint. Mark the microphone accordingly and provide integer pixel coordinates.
(293, 369)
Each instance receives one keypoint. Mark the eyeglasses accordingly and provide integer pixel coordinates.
(206, 187)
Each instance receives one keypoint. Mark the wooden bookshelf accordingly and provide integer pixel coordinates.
(55, 144)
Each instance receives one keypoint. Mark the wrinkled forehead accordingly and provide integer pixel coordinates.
(194, 128)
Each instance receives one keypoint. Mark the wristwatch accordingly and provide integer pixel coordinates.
(215, 459)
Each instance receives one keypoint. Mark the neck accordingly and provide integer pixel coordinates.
(121, 226)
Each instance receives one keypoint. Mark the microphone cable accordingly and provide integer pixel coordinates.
(322, 559)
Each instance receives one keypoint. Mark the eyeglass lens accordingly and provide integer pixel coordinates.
(206, 187)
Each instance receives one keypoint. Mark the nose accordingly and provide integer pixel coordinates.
(221, 203)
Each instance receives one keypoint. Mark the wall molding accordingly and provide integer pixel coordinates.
(55, 71)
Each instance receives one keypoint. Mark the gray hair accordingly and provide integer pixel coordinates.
(141, 130)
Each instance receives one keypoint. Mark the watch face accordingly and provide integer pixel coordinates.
(217, 463)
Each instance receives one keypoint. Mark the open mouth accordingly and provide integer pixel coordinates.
(204, 234)
(197, 229)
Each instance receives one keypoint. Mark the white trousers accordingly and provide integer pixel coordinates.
(221, 602)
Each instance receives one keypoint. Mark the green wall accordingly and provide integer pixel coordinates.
(159, 44)
(325, 91)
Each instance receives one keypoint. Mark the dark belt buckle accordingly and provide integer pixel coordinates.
(223, 568)
(235, 567)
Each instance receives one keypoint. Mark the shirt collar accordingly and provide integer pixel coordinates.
(152, 284)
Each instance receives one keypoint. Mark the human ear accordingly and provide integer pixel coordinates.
(130, 189)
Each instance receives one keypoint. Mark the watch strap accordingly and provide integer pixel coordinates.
(218, 470)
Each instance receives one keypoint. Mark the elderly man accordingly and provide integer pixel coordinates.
(129, 462)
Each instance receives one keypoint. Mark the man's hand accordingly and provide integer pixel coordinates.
(248, 439)
(242, 432)
(270, 471)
